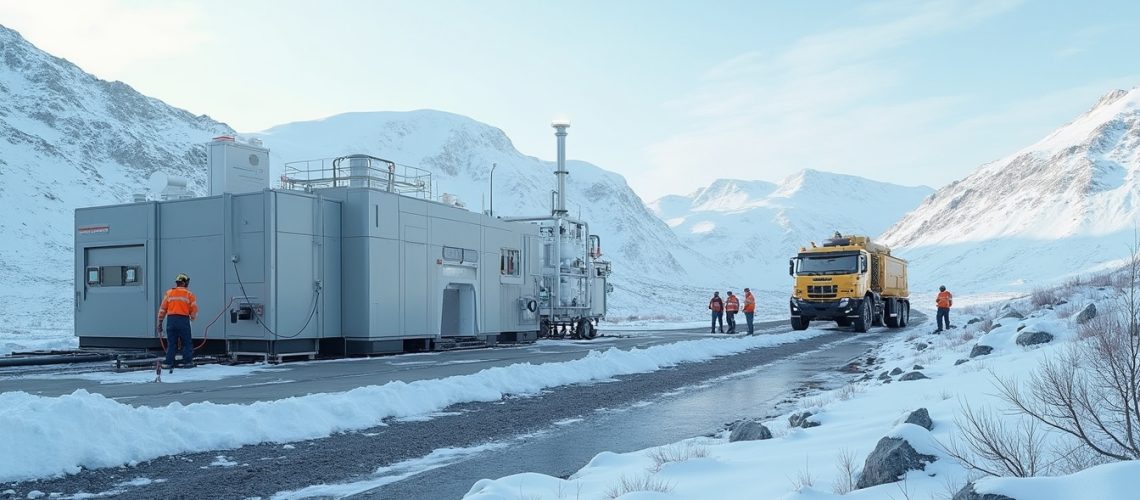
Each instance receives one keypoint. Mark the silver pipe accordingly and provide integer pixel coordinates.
(560, 132)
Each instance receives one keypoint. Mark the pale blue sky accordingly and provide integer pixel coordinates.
(671, 94)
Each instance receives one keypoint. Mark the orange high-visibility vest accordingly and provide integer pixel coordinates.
(945, 300)
(179, 301)
(749, 303)
(716, 304)
(732, 304)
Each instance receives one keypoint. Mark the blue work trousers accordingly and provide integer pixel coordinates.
(717, 317)
(178, 330)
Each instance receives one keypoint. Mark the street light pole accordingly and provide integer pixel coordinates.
(493, 165)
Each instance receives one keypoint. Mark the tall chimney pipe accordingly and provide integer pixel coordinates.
(560, 126)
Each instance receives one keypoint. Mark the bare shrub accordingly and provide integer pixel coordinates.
(676, 453)
(803, 478)
(1074, 281)
(644, 482)
(1091, 391)
(1042, 297)
(968, 335)
(1101, 280)
(847, 465)
(986, 325)
(996, 448)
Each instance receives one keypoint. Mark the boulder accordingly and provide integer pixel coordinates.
(967, 493)
(1033, 338)
(912, 376)
(884, 376)
(801, 420)
(974, 320)
(892, 458)
(960, 361)
(918, 367)
(1012, 314)
(749, 430)
(921, 418)
(896, 371)
(1086, 314)
(980, 350)
(920, 346)
(1021, 327)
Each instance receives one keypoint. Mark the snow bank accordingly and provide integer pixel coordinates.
(46, 436)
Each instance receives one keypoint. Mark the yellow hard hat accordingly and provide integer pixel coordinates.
(182, 277)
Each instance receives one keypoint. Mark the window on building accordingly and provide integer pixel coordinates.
(509, 262)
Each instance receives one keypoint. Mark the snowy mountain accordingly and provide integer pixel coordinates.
(67, 140)
(652, 268)
(1064, 206)
(753, 227)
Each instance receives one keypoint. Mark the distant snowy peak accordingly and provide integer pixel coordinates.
(1079, 180)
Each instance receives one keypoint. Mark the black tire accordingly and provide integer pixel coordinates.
(799, 323)
(877, 314)
(892, 305)
(843, 322)
(904, 314)
(586, 329)
(863, 322)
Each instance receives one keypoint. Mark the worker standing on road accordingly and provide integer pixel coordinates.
(749, 308)
(731, 307)
(944, 301)
(716, 305)
(179, 307)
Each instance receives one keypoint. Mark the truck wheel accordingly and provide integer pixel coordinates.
(843, 321)
(799, 323)
(877, 314)
(904, 313)
(586, 329)
(863, 322)
(892, 305)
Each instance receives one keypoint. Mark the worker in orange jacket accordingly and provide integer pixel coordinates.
(749, 308)
(944, 301)
(716, 305)
(731, 307)
(179, 307)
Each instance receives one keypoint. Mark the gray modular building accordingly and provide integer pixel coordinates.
(351, 256)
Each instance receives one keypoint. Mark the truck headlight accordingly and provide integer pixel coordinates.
(843, 302)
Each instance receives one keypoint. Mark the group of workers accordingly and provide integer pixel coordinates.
(729, 306)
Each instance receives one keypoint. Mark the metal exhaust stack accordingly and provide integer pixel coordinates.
(560, 125)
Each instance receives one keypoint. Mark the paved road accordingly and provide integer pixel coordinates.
(554, 433)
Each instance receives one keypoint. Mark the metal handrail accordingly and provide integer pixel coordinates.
(358, 171)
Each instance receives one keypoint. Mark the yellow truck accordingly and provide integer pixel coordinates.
(849, 280)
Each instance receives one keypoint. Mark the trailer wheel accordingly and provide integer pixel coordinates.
(863, 322)
(904, 313)
(586, 329)
(892, 305)
(799, 323)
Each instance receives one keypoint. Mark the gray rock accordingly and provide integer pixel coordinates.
(884, 376)
(1033, 338)
(921, 418)
(801, 420)
(892, 458)
(1086, 314)
(980, 350)
(960, 361)
(973, 320)
(749, 430)
(1012, 314)
(1021, 327)
(920, 346)
(967, 493)
(896, 371)
(912, 376)
(918, 367)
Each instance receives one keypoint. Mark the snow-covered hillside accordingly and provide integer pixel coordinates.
(1063, 206)
(68, 140)
(653, 270)
(753, 227)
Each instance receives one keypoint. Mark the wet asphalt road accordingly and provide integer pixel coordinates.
(554, 433)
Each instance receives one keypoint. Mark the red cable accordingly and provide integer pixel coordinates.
(205, 333)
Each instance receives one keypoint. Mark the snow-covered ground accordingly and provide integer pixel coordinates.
(824, 462)
(48, 436)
